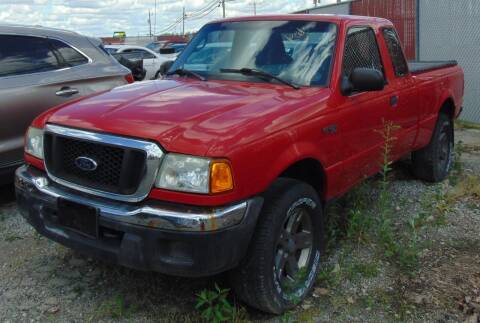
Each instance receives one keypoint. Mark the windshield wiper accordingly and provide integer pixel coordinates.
(184, 72)
(258, 73)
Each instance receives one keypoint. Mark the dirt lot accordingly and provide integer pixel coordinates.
(409, 252)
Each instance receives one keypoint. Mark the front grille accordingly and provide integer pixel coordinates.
(119, 169)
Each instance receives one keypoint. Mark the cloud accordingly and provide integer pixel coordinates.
(103, 17)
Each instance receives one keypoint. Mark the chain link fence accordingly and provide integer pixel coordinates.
(450, 29)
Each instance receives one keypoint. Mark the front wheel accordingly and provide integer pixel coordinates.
(434, 162)
(284, 255)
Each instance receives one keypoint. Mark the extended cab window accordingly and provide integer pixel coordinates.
(361, 50)
(395, 50)
(25, 54)
(71, 56)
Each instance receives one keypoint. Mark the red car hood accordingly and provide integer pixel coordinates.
(190, 116)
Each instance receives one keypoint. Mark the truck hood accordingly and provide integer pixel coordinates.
(189, 116)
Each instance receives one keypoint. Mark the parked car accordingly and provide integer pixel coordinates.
(156, 45)
(177, 48)
(227, 163)
(41, 68)
(152, 61)
(135, 65)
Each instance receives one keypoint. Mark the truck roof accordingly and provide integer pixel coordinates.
(312, 17)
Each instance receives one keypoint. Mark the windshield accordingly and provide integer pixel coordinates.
(299, 52)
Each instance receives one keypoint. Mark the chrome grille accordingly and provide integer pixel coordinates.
(125, 168)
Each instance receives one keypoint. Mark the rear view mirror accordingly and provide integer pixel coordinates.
(363, 80)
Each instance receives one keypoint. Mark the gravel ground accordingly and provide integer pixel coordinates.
(43, 281)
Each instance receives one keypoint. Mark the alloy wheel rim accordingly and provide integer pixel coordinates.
(444, 149)
(293, 250)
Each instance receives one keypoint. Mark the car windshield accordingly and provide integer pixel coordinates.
(153, 46)
(299, 52)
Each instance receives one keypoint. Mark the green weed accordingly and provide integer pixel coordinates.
(215, 307)
(460, 124)
(114, 308)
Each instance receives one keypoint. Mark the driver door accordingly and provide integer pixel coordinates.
(362, 115)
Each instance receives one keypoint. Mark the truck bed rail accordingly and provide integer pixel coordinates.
(425, 66)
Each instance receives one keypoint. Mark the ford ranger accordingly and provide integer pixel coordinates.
(226, 164)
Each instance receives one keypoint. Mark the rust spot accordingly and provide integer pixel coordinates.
(153, 223)
(213, 223)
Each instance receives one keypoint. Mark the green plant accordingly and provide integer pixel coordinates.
(388, 137)
(457, 169)
(466, 125)
(215, 307)
(115, 308)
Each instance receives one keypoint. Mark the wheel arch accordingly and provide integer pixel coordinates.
(448, 107)
(310, 171)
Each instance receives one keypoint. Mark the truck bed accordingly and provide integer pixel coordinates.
(425, 66)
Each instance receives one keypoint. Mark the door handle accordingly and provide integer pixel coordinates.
(394, 101)
(66, 91)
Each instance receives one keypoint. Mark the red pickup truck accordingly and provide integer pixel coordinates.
(226, 164)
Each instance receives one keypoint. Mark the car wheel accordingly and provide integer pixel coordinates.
(434, 162)
(284, 255)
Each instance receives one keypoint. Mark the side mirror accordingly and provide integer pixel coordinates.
(164, 68)
(363, 80)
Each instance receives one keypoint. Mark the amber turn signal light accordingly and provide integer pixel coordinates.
(221, 178)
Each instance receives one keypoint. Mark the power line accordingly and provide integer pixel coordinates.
(195, 15)
(208, 5)
(207, 8)
(204, 13)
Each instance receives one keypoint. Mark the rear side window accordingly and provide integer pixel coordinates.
(140, 53)
(361, 50)
(395, 50)
(25, 54)
(70, 55)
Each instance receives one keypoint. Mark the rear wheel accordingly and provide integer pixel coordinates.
(284, 257)
(434, 162)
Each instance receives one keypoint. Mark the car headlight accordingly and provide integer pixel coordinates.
(194, 174)
(34, 142)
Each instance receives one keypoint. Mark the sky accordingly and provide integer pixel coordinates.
(103, 17)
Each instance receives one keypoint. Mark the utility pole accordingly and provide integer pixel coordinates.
(254, 8)
(155, 19)
(223, 6)
(150, 23)
(183, 21)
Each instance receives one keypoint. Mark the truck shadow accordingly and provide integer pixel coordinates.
(129, 292)
(7, 194)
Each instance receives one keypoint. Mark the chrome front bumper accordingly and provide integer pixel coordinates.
(150, 214)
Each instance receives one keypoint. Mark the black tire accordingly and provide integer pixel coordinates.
(259, 281)
(434, 162)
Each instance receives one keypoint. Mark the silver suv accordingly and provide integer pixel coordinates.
(39, 69)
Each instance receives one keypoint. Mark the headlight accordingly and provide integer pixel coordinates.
(194, 174)
(184, 173)
(34, 142)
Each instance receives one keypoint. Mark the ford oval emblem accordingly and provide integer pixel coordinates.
(86, 164)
